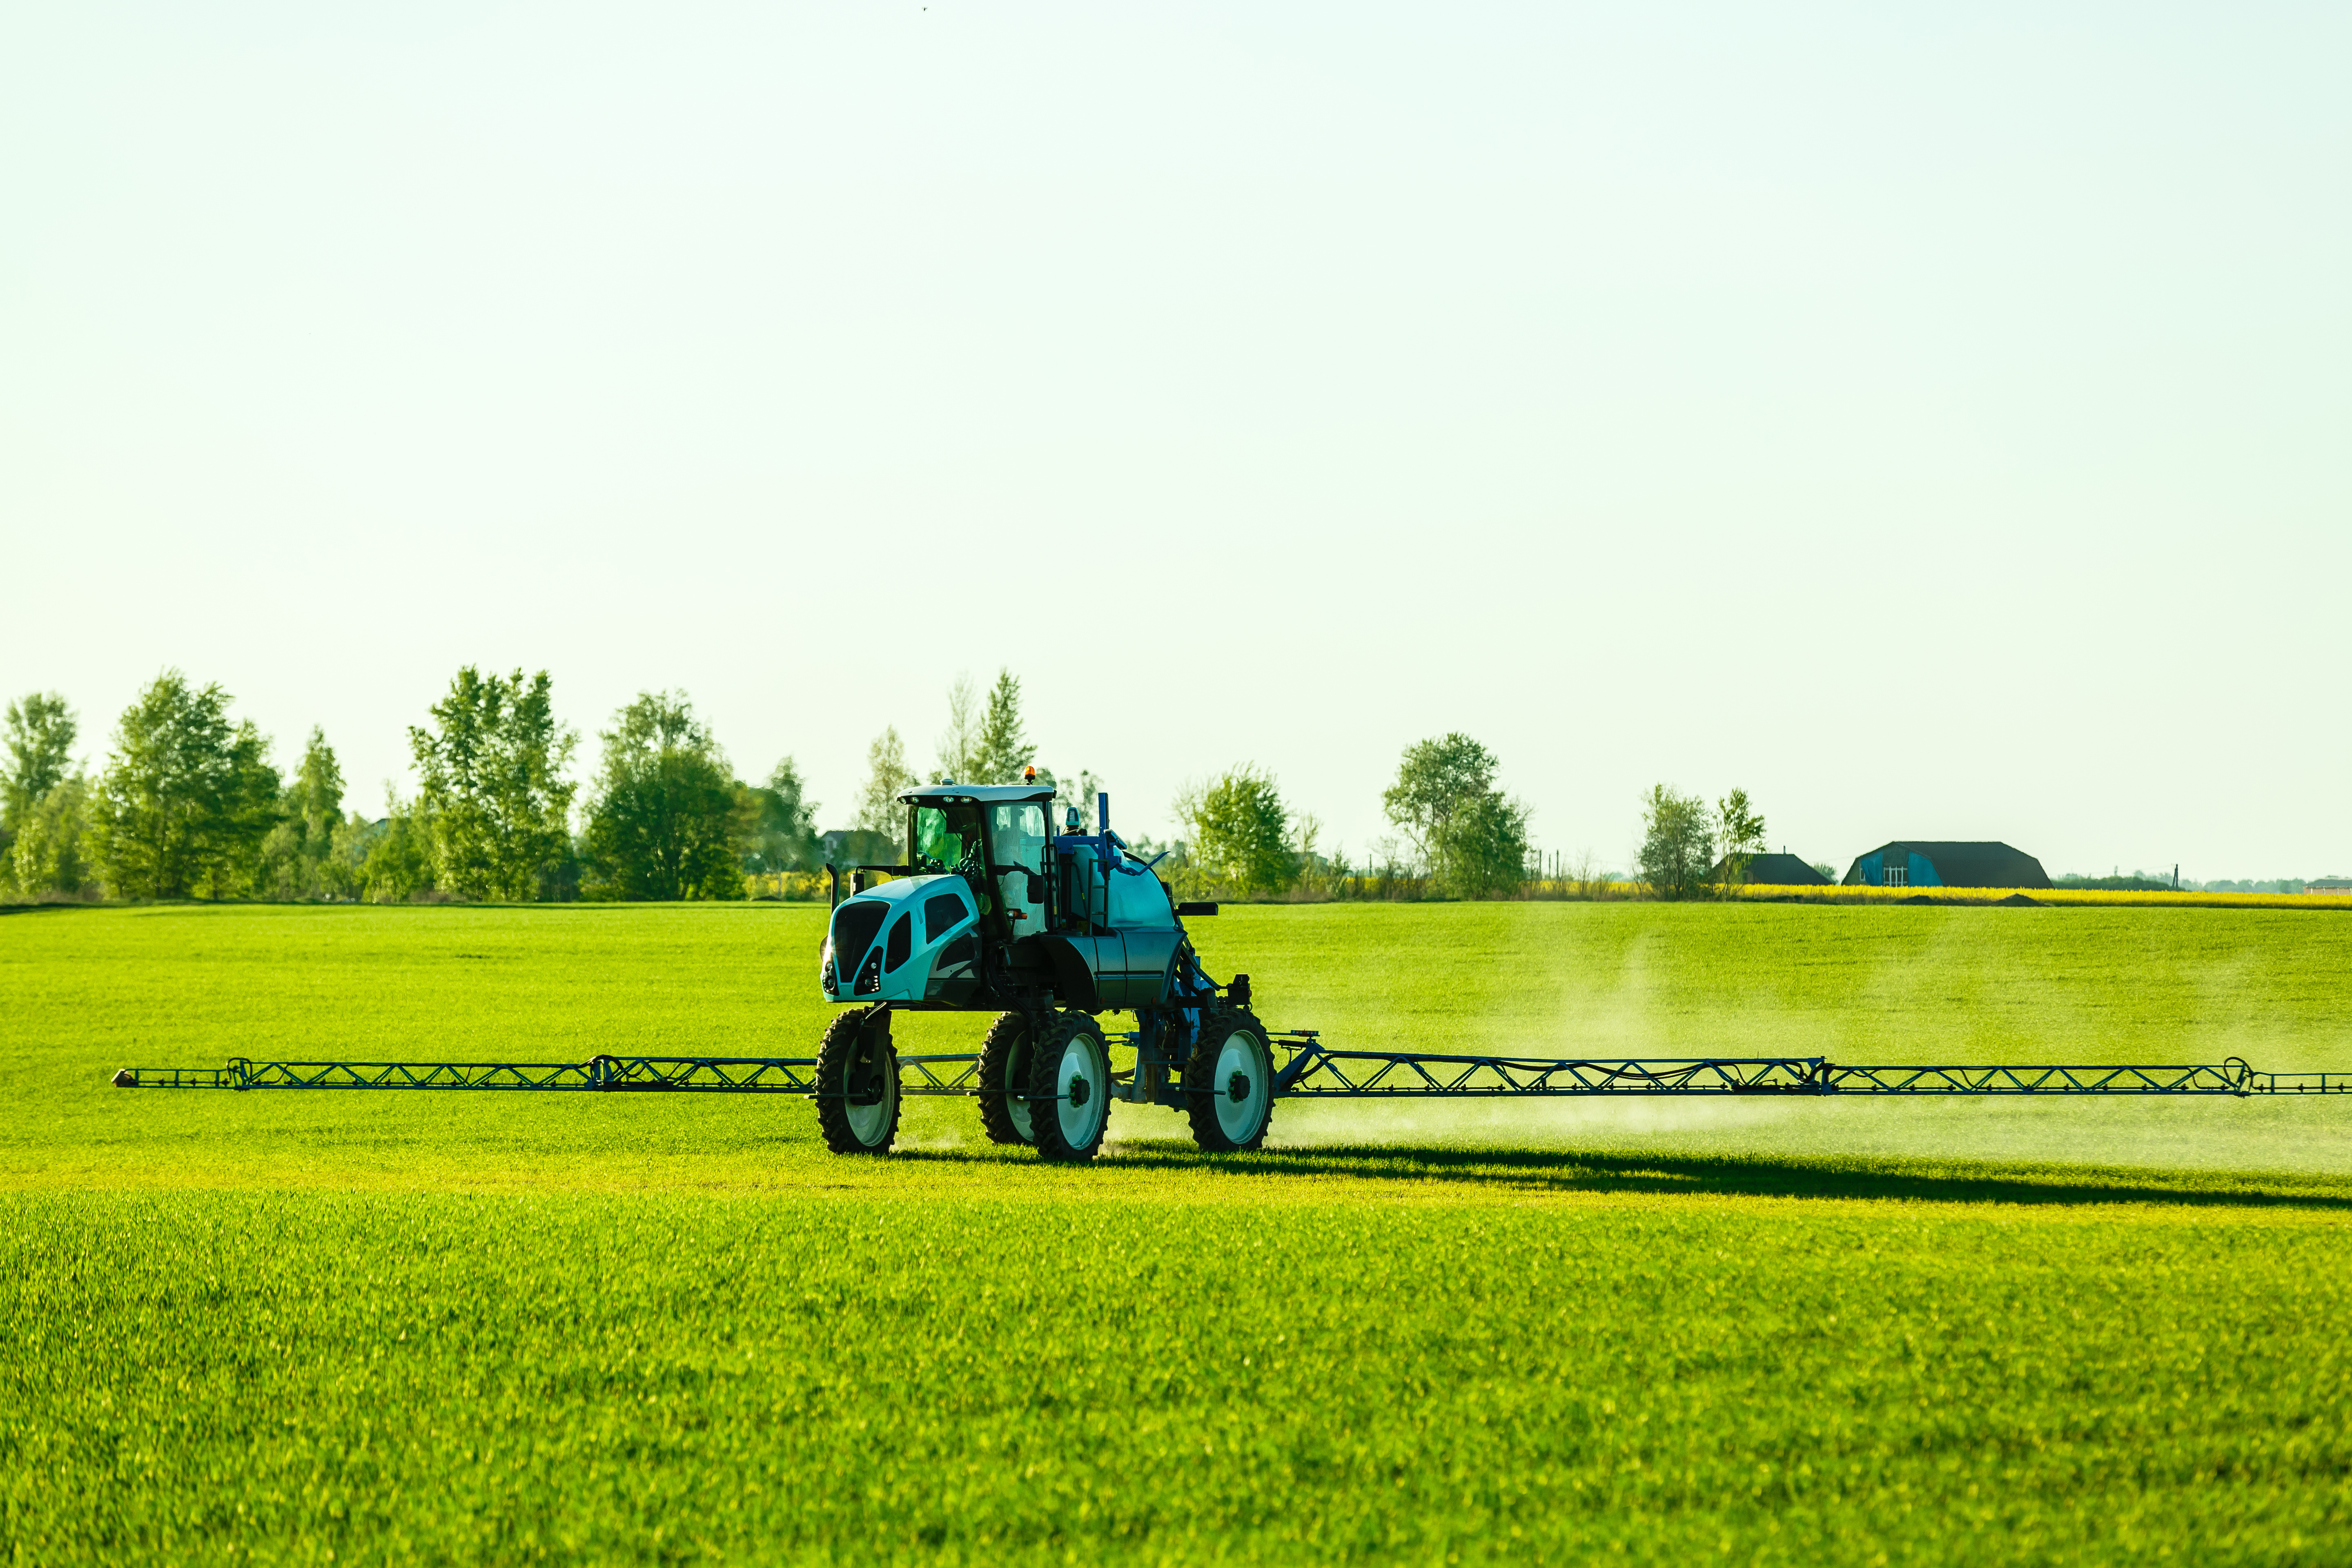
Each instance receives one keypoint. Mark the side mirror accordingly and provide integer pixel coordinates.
(1035, 888)
(1186, 911)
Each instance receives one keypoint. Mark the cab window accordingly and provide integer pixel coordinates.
(1020, 830)
(948, 838)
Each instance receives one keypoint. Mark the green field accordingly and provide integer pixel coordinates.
(319, 1327)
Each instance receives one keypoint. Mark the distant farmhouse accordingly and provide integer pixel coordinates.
(1776, 871)
(2328, 885)
(1918, 863)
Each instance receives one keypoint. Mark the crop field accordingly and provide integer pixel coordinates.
(359, 1327)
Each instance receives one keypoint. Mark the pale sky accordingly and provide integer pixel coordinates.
(1932, 418)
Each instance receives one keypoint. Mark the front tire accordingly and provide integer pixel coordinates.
(1229, 1084)
(1069, 1090)
(858, 1083)
(1004, 1058)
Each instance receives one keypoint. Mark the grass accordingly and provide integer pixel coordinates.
(313, 1328)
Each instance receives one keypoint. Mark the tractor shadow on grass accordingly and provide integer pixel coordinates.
(1900, 1180)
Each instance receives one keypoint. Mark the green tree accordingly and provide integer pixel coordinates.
(959, 743)
(1318, 873)
(40, 731)
(886, 777)
(47, 857)
(296, 855)
(776, 823)
(398, 854)
(494, 789)
(254, 809)
(1432, 781)
(661, 823)
(1240, 831)
(186, 797)
(315, 797)
(1740, 832)
(342, 873)
(1677, 848)
(1482, 848)
(1001, 747)
(1470, 837)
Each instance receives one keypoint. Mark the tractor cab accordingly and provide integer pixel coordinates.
(990, 902)
(997, 845)
(977, 875)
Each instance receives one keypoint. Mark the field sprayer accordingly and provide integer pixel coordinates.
(993, 912)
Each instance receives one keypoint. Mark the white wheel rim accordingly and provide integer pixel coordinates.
(1079, 1111)
(1239, 1061)
(1016, 1105)
(868, 1123)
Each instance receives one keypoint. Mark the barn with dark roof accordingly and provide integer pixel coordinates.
(1946, 863)
(1776, 871)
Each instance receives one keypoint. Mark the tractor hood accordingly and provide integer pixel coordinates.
(915, 939)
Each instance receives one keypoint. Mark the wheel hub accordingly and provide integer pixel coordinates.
(1237, 1087)
(1080, 1090)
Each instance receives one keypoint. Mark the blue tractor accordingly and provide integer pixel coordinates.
(994, 912)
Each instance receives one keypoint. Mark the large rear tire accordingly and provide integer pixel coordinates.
(858, 1083)
(1069, 1090)
(1004, 1056)
(1229, 1083)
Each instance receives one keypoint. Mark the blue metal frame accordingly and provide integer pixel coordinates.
(949, 1073)
(1313, 1069)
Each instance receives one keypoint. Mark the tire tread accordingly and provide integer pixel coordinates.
(835, 1052)
(1004, 1036)
(1043, 1065)
(1199, 1080)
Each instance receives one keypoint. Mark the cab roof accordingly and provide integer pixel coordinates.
(975, 794)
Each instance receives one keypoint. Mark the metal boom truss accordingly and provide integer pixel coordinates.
(1312, 1069)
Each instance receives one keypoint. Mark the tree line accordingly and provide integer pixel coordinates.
(189, 803)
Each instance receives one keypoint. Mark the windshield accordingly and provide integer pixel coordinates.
(946, 838)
